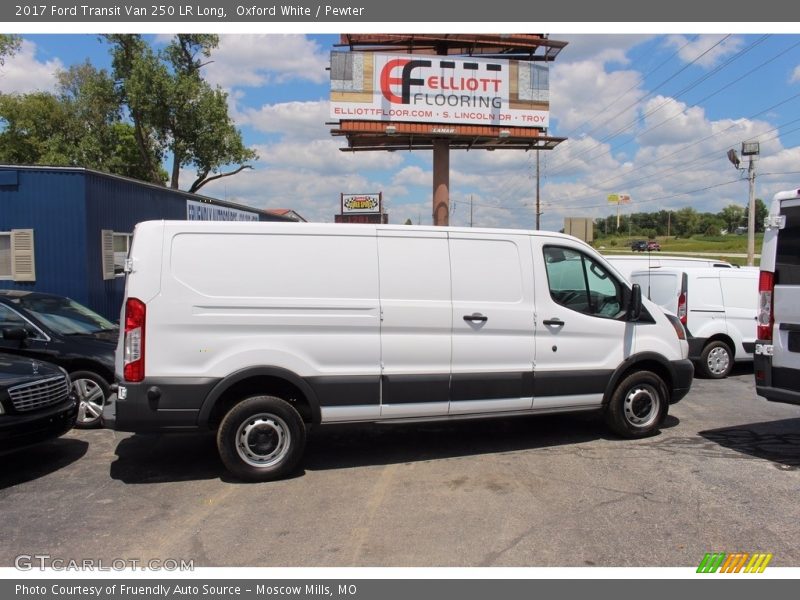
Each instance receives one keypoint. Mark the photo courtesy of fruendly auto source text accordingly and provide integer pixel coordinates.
(370, 300)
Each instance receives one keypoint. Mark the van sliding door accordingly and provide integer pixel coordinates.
(416, 323)
(492, 323)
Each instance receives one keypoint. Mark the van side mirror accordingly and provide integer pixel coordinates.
(634, 307)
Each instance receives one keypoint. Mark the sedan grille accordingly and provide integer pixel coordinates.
(39, 394)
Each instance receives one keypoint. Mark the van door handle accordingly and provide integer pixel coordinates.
(555, 322)
(476, 317)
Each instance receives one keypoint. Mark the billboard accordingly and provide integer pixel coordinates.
(361, 204)
(619, 199)
(367, 86)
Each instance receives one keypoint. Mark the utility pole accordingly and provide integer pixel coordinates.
(751, 214)
(752, 150)
(470, 210)
(669, 222)
(538, 202)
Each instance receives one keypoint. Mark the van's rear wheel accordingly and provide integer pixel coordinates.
(638, 405)
(716, 361)
(262, 438)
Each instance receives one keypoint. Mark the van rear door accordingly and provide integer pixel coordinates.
(664, 287)
(786, 336)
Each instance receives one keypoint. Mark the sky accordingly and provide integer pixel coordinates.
(649, 115)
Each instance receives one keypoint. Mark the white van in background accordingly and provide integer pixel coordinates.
(627, 264)
(777, 361)
(717, 306)
(257, 330)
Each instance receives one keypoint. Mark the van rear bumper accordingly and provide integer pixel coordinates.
(776, 384)
(696, 346)
(682, 375)
(168, 404)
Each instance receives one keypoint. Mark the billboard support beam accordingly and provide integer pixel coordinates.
(441, 182)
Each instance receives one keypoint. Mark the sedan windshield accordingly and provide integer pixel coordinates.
(66, 316)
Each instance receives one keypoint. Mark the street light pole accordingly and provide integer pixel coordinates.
(751, 150)
(751, 214)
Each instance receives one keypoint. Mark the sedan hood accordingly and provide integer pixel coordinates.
(15, 369)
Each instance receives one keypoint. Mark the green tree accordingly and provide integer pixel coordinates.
(686, 221)
(9, 44)
(175, 109)
(761, 213)
(33, 129)
(733, 215)
(79, 125)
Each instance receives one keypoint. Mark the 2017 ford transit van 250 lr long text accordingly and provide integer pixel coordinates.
(257, 330)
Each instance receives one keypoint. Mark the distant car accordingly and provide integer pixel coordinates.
(36, 403)
(61, 331)
(653, 246)
(639, 245)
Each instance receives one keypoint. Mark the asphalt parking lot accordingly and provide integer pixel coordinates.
(723, 475)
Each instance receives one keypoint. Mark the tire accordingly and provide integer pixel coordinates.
(92, 392)
(261, 439)
(638, 405)
(716, 360)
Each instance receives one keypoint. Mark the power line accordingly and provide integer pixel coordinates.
(691, 86)
(697, 82)
(635, 85)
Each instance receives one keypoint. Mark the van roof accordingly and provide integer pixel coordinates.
(350, 228)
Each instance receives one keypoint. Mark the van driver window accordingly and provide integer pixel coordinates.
(581, 284)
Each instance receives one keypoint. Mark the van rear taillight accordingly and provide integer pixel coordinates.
(765, 318)
(680, 331)
(682, 308)
(133, 362)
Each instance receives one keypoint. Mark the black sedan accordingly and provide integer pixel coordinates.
(35, 402)
(61, 331)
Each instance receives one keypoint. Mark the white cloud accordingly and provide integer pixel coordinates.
(795, 75)
(258, 60)
(23, 73)
(597, 48)
(705, 50)
(590, 99)
(293, 119)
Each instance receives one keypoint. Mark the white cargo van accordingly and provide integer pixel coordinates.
(717, 306)
(257, 330)
(627, 264)
(777, 360)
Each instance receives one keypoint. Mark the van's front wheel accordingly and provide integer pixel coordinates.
(638, 405)
(261, 439)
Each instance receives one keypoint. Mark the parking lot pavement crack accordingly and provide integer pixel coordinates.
(491, 558)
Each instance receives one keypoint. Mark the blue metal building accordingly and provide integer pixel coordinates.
(66, 230)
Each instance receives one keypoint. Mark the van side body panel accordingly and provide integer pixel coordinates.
(367, 323)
